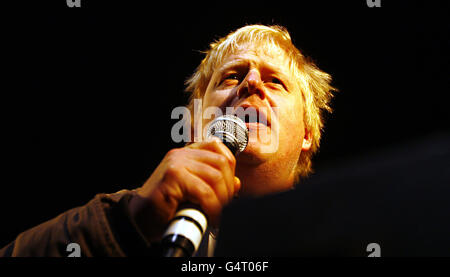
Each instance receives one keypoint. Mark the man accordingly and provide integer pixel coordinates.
(254, 67)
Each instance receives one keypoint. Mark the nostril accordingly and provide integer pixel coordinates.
(242, 90)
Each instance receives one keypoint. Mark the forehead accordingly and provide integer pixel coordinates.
(273, 57)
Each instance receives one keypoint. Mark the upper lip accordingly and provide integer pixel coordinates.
(261, 114)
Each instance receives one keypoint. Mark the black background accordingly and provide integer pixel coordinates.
(88, 92)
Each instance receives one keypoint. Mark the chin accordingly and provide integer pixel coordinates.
(257, 189)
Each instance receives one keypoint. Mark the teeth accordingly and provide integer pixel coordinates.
(250, 119)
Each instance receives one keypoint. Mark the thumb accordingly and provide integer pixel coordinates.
(237, 186)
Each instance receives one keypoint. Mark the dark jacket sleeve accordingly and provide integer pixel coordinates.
(102, 227)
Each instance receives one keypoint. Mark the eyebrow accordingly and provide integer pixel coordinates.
(241, 62)
(233, 64)
(273, 69)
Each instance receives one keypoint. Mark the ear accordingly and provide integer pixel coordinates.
(307, 140)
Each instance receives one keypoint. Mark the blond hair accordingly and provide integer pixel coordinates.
(313, 83)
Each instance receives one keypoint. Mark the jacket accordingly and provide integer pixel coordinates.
(102, 227)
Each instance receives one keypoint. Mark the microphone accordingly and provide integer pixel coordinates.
(185, 232)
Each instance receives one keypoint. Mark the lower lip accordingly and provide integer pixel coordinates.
(255, 125)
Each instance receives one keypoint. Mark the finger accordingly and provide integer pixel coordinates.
(217, 161)
(216, 145)
(237, 186)
(213, 177)
(197, 191)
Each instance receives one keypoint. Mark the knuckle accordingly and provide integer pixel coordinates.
(206, 193)
(222, 160)
(216, 176)
(173, 152)
(172, 170)
(228, 160)
(214, 142)
(213, 139)
(175, 156)
(233, 160)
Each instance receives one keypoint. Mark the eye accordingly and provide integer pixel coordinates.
(275, 80)
(230, 77)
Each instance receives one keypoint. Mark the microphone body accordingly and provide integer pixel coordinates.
(185, 232)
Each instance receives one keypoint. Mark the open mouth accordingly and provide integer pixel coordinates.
(254, 120)
(252, 116)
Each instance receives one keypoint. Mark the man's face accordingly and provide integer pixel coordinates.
(262, 80)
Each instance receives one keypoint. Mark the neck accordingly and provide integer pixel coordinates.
(264, 178)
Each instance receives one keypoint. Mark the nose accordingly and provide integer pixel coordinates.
(252, 84)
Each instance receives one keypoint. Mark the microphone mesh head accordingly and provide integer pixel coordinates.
(231, 130)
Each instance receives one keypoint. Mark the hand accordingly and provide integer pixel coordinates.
(201, 173)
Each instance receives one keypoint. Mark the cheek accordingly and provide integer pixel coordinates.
(213, 105)
(292, 122)
(215, 98)
(207, 100)
(293, 127)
